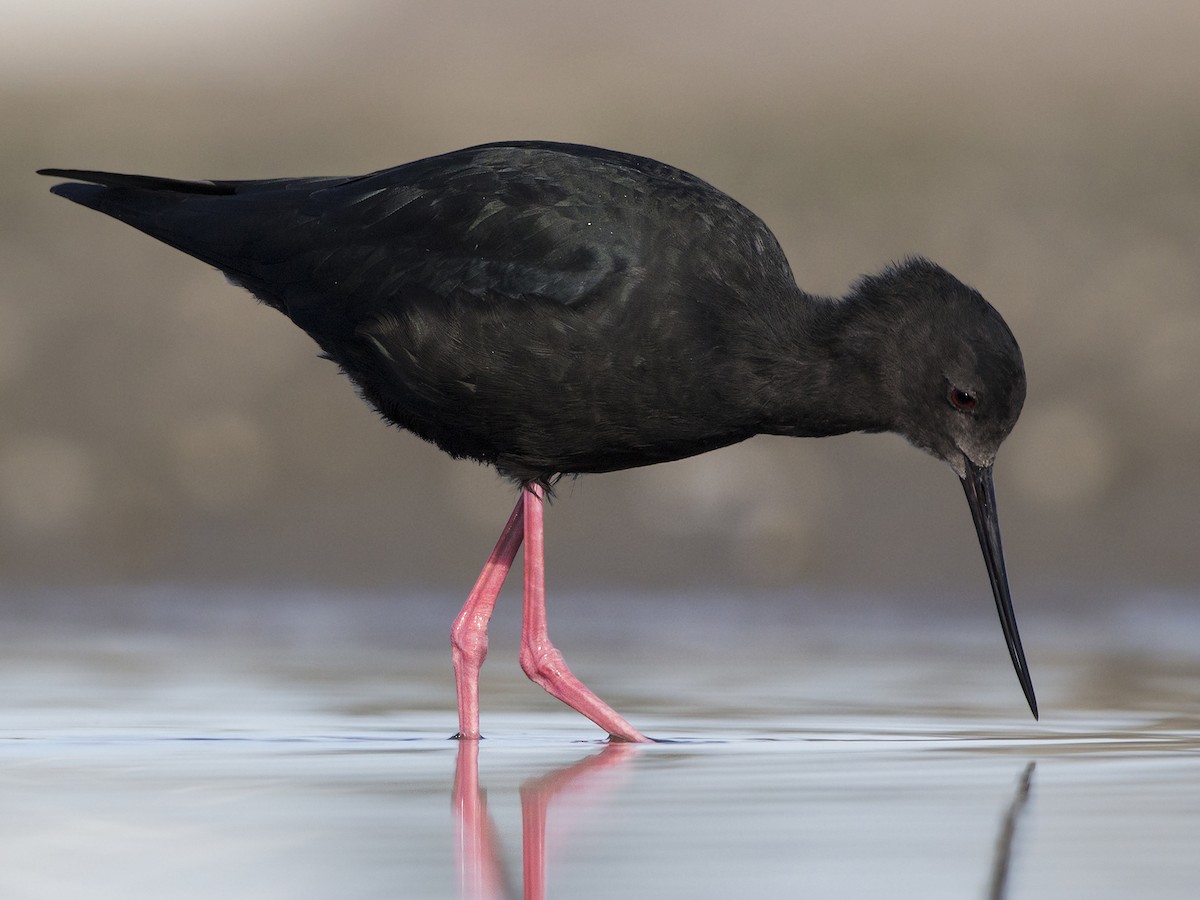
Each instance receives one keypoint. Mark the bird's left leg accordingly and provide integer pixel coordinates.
(540, 659)
(468, 635)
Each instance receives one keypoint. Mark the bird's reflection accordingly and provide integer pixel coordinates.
(573, 788)
(481, 873)
(476, 848)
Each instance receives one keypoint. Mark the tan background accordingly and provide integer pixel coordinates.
(158, 425)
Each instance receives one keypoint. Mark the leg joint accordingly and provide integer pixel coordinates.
(469, 640)
(543, 663)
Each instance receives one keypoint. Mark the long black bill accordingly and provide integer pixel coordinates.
(977, 482)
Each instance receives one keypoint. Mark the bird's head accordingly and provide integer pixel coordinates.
(953, 383)
(950, 367)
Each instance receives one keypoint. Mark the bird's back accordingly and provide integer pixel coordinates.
(468, 294)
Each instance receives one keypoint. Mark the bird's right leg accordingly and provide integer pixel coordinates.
(540, 659)
(468, 634)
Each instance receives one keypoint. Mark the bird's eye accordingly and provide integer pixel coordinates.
(962, 400)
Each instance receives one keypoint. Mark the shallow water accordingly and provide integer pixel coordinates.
(302, 751)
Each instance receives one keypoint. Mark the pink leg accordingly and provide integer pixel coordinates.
(539, 658)
(468, 635)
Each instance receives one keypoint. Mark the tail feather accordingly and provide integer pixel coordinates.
(256, 232)
(144, 182)
(191, 216)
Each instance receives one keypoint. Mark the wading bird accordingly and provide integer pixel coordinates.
(556, 309)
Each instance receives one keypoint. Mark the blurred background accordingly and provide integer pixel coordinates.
(160, 426)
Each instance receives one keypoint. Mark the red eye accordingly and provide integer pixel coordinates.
(962, 400)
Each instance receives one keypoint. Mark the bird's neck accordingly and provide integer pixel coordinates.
(827, 376)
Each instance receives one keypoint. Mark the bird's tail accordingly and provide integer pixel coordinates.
(142, 182)
(247, 229)
(192, 216)
(169, 209)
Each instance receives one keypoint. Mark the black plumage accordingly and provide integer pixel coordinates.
(557, 309)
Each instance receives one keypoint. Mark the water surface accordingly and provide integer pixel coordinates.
(301, 748)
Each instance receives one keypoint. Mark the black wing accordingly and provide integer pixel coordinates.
(528, 221)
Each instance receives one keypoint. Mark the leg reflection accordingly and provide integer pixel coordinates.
(478, 854)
